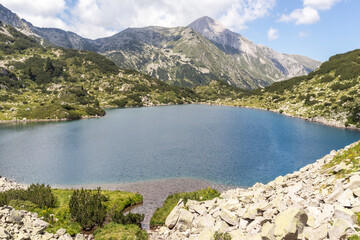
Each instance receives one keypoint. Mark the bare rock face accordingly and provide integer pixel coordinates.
(309, 204)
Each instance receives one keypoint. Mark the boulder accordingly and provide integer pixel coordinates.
(79, 236)
(173, 217)
(185, 220)
(237, 235)
(228, 217)
(4, 234)
(354, 182)
(267, 231)
(290, 223)
(345, 214)
(339, 229)
(206, 234)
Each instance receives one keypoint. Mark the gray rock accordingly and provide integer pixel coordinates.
(173, 217)
(4, 234)
(228, 217)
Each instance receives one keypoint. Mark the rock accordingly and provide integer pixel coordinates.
(357, 192)
(267, 232)
(354, 182)
(185, 220)
(339, 229)
(66, 236)
(40, 225)
(173, 217)
(243, 223)
(4, 234)
(346, 198)
(345, 214)
(60, 232)
(228, 217)
(206, 234)
(200, 209)
(290, 223)
(221, 226)
(337, 191)
(237, 235)
(80, 237)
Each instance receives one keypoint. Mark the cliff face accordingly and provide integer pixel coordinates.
(320, 201)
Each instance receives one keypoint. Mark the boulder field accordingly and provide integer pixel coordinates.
(313, 203)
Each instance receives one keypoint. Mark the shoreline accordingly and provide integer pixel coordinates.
(154, 192)
(330, 123)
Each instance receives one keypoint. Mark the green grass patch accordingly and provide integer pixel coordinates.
(60, 217)
(350, 157)
(118, 231)
(161, 214)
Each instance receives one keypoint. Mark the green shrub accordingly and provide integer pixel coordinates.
(74, 115)
(130, 218)
(39, 194)
(87, 208)
(222, 236)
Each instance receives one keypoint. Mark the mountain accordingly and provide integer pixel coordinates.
(258, 60)
(330, 94)
(184, 56)
(39, 82)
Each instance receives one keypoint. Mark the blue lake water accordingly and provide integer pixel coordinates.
(227, 145)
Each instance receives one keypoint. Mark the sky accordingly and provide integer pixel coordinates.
(314, 28)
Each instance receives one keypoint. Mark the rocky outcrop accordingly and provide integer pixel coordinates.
(7, 184)
(310, 204)
(20, 224)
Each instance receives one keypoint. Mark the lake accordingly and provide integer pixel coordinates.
(225, 145)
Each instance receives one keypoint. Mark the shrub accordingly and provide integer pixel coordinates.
(222, 236)
(87, 209)
(39, 194)
(74, 115)
(130, 218)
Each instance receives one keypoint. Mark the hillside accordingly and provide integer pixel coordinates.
(184, 56)
(57, 83)
(329, 95)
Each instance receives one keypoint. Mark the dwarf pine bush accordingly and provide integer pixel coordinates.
(87, 208)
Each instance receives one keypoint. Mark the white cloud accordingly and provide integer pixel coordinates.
(100, 18)
(321, 4)
(242, 12)
(273, 34)
(310, 13)
(303, 34)
(42, 13)
(307, 15)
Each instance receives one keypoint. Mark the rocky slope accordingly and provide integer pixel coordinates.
(258, 60)
(181, 55)
(320, 201)
(329, 95)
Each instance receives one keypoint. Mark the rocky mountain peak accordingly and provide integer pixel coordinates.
(10, 18)
(207, 26)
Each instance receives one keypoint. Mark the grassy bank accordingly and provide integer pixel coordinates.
(59, 215)
(160, 215)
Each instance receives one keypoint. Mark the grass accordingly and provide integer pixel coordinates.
(160, 215)
(59, 217)
(118, 231)
(350, 157)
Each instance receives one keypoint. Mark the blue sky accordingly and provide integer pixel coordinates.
(313, 28)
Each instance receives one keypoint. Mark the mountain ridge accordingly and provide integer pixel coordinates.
(161, 53)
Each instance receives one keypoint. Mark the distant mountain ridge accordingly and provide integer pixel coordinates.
(186, 56)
